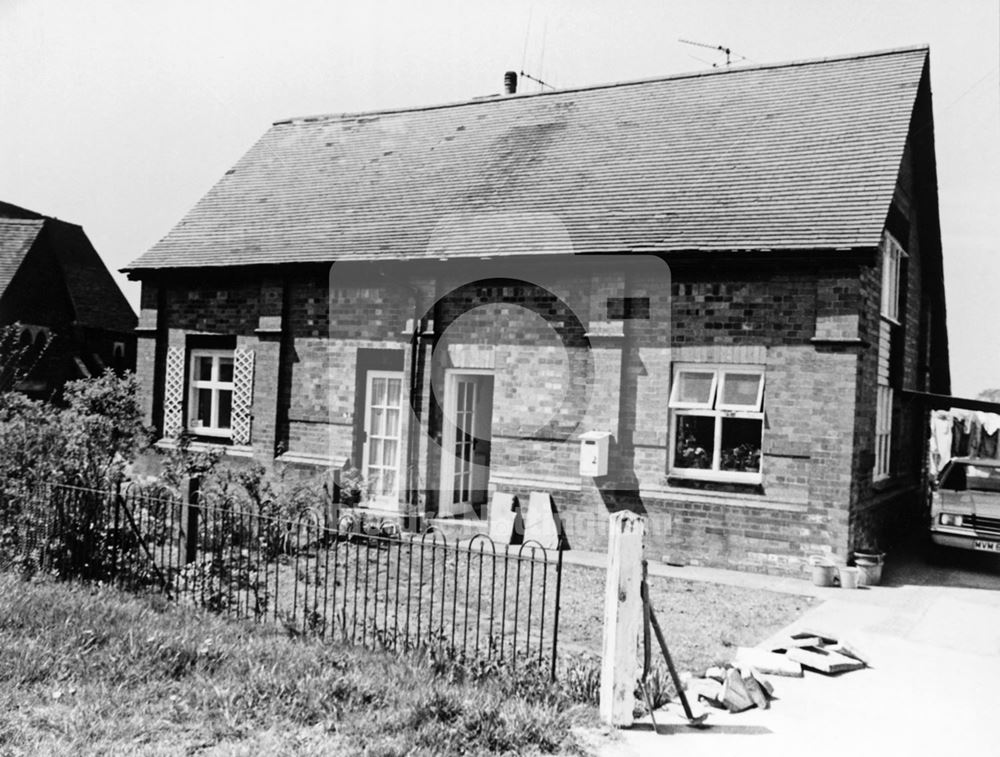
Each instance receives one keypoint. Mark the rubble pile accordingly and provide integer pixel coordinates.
(743, 684)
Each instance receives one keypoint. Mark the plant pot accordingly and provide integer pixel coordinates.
(869, 565)
(849, 577)
(823, 571)
(823, 575)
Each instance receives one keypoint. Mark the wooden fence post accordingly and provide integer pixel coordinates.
(622, 618)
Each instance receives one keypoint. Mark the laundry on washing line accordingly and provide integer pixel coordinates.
(963, 433)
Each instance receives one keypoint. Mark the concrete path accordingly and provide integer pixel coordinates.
(933, 636)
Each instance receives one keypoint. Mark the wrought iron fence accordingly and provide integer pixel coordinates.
(364, 583)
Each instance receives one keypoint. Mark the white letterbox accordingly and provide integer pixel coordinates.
(594, 453)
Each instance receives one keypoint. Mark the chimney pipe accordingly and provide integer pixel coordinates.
(510, 83)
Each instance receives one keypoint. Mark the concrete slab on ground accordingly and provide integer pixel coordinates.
(933, 635)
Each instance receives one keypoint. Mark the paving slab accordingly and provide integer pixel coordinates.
(933, 637)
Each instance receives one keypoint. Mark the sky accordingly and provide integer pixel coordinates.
(120, 114)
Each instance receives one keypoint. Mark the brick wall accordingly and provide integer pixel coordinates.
(886, 512)
(561, 365)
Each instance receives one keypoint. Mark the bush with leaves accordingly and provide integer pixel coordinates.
(89, 443)
(103, 428)
(247, 514)
(18, 359)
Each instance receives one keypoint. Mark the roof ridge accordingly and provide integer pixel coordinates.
(490, 99)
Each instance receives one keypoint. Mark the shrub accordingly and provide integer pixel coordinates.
(17, 358)
(89, 442)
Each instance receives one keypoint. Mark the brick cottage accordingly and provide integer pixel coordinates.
(74, 321)
(733, 273)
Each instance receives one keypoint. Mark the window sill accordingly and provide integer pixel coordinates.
(845, 341)
(714, 476)
(665, 495)
(303, 458)
(727, 486)
(885, 484)
(888, 489)
(203, 434)
(205, 444)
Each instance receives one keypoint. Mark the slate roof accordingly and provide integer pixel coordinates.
(17, 235)
(787, 157)
(96, 299)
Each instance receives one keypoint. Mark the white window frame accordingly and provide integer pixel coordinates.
(892, 268)
(675, 401)
(883, 432)
(714, 409)
(216, 386)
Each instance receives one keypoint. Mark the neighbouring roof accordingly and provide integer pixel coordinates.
(17, 235)
(96, 299)
(787, 157)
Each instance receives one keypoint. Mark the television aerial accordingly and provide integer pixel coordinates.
(720, 48)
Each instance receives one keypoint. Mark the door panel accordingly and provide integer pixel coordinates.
(382, 447)
(468, 427)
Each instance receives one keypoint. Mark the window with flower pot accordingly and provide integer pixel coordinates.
(717, 422)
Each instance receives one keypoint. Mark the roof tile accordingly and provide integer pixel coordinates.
(793, 156)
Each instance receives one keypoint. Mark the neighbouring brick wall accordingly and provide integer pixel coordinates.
(883, 512)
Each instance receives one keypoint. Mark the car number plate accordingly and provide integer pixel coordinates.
(987, 546)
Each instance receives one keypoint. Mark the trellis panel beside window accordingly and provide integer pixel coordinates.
(173, 394)
(242, 395)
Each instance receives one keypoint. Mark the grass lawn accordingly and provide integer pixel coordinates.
(87, 671)
(703, 623)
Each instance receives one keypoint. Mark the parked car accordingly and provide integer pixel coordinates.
(965, 505)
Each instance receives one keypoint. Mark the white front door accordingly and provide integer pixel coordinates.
(383, 429)
(465, 427)
(465, 453)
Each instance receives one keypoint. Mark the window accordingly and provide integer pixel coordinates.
(883, 432)
(892, 260)
(717, 422)
(210, 398)
(208, 391)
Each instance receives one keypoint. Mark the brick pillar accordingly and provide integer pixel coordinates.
(607, 343)
(146, 337)
(266, 344)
